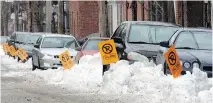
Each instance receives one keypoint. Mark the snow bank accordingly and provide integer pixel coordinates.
(143, 78)
(148, 80)
(86, 75)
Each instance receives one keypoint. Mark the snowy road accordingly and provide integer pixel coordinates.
(21, 90)
(18, 88)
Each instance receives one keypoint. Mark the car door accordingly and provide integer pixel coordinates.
(36, 51)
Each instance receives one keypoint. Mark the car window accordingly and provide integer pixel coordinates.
(185, 39)
(123, 33)
(204, 39)
(92, 44)
(139, 33)
(118, 31)
(33, 38)
(162, 33)
(39, 41)
(58, 42)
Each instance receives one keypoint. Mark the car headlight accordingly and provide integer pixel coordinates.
(186, 64)
(196, 65)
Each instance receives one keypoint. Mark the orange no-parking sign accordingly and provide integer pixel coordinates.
(66, 60)
(173, 61)
(108, 52)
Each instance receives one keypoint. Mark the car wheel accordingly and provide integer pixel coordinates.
(33, 66)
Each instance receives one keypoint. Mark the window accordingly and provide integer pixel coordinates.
(162, 33)
(185, 39)
(123, 33)
(39, 41)
(92, 44)
(58, 42)
(118, 31)
(204, 39)
(139, 33)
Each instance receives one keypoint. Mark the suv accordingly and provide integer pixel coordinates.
(48, 48)
(142, 37)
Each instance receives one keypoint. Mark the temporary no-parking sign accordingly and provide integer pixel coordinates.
(173, 61)
(66, 60)
(108, 52)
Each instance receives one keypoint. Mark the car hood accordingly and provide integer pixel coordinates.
(58, 51)
(148, 50)
(204, 56)
(28, 47)
(89, 52)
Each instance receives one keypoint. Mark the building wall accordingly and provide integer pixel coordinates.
(84, 18)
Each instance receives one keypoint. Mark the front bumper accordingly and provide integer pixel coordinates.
(51, 62)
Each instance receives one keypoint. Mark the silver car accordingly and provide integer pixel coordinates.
(48, 48)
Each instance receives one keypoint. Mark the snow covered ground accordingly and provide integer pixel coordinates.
(140, 78)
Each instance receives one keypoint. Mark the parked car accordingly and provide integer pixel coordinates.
(30, 42)
(48, 48)
(194, 48)
(90, 47)
(142, 37)
(17, 39)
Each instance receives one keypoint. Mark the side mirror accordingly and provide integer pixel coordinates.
(36, 46)
(119, 43)
(117, 39)
(164, 44)
(78, 48)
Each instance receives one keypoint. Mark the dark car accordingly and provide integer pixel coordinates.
(142, 37)
(194, 48)
(17, 39)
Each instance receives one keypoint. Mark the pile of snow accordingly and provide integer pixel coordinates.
(149, 81)
(86, 75)
(142, 78)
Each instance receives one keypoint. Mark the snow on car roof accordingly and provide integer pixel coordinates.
(151, 23)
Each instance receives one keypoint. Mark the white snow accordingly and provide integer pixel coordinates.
(142, 78)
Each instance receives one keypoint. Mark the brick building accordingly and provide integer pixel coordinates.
(84, 18)
(84, 15)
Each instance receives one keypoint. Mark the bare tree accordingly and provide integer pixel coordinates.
(103, 20)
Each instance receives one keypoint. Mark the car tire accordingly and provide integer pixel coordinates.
(33, 66)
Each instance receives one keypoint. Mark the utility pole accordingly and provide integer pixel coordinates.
(60, 17)
(103, 19)
(48, 16)
(211, 14)
(185, 13)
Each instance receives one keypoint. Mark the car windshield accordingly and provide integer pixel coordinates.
(21, 37)
(163, 33)
(32, 39)
(92, 44)
(57, 42)
(204, 40)
(150, 34)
